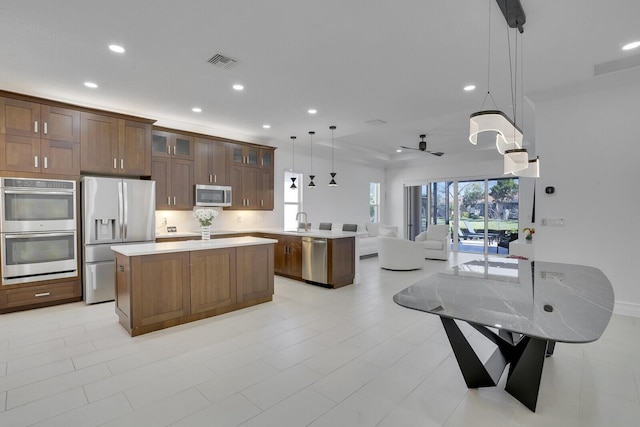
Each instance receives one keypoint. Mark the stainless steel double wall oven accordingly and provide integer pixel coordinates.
(38, 229)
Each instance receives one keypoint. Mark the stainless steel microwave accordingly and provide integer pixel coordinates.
(212, 195)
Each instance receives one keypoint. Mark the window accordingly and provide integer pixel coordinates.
(292, 200)
(374, 202)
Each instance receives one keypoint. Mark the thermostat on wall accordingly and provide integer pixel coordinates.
(550, 190)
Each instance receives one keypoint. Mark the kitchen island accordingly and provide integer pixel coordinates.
(342, 267)
(159, 285)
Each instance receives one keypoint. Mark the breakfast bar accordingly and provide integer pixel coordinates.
(159, 285)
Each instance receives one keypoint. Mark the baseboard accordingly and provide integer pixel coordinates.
(627, 308)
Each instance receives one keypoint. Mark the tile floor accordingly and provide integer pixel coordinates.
(312, 357)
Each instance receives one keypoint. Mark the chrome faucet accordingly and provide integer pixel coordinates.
(306, 224)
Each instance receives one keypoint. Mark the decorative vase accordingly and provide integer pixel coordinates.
(206, 232)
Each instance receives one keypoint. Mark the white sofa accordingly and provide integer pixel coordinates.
(435, 241)
(399, 254)
(368, 244)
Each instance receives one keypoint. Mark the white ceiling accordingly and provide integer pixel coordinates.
(404, 62)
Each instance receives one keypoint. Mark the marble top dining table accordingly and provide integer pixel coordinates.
(531, 304)
(553, 301)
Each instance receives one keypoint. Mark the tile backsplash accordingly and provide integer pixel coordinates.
(226, 220)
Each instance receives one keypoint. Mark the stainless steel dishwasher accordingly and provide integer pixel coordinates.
(315, 259)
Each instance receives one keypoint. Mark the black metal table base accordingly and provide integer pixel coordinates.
(525, 356)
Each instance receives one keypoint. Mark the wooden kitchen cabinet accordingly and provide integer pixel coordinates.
(174, 183)
(28, 154)
(252, 262)
(165, 143)
(288, 256)
(39, 138)
(213, 279)
(265, 193)
(244, 182)
(26, 296)
(342, 261)
(112, 145)
(210, 164)
(245, 155)
(33, 119)
(252, 184)
(160, 290)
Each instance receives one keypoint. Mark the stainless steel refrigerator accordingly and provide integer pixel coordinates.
(114, 211)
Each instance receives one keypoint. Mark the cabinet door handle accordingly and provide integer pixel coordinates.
(35, 161)
(168, 149)
(45, 128)
(121, 163)
(115, 163)
(174, 200)
(262, 203)
(215, 179)
(35, 126)
(45, 163)
(168, 200)
(210, 178)
(174, 150)
(42, 294)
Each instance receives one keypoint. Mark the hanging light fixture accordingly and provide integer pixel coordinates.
(333, 182)
(293, 162)
(531, 171)
(509, 136)
(311, 175)
(515, 160)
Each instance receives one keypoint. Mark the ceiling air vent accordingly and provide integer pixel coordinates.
(222, 61)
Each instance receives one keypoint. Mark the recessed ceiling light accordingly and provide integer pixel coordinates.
(469, 88)
(196, 110)
(312, 111)
(631, 45)
(398, 151)
(91, 85)
(238, 87)
(116, 48)
(265, 126)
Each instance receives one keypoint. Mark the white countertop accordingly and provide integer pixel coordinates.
(327, 234)
(189, 245)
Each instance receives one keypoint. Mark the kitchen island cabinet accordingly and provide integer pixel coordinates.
(159, 285)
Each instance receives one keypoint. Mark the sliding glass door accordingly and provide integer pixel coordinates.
(482, 214)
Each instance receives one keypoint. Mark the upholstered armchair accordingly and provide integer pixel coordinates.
(399, 254)
(435, 241)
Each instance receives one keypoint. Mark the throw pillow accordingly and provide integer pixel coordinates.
(372, 228)
(421, 237)
(387, 232)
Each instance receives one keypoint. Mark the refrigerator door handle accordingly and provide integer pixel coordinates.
(125, 209)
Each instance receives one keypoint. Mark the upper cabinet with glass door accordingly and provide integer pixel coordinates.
(169, 144)
(266, 158)
(244, 155)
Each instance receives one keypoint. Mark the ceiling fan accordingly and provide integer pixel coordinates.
(422, 146)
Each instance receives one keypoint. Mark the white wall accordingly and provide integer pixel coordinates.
(346, 203)
(589, 151)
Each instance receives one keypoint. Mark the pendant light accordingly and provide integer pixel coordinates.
(293, 162)
(311, 175)
(509, 136)
(333, 182)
